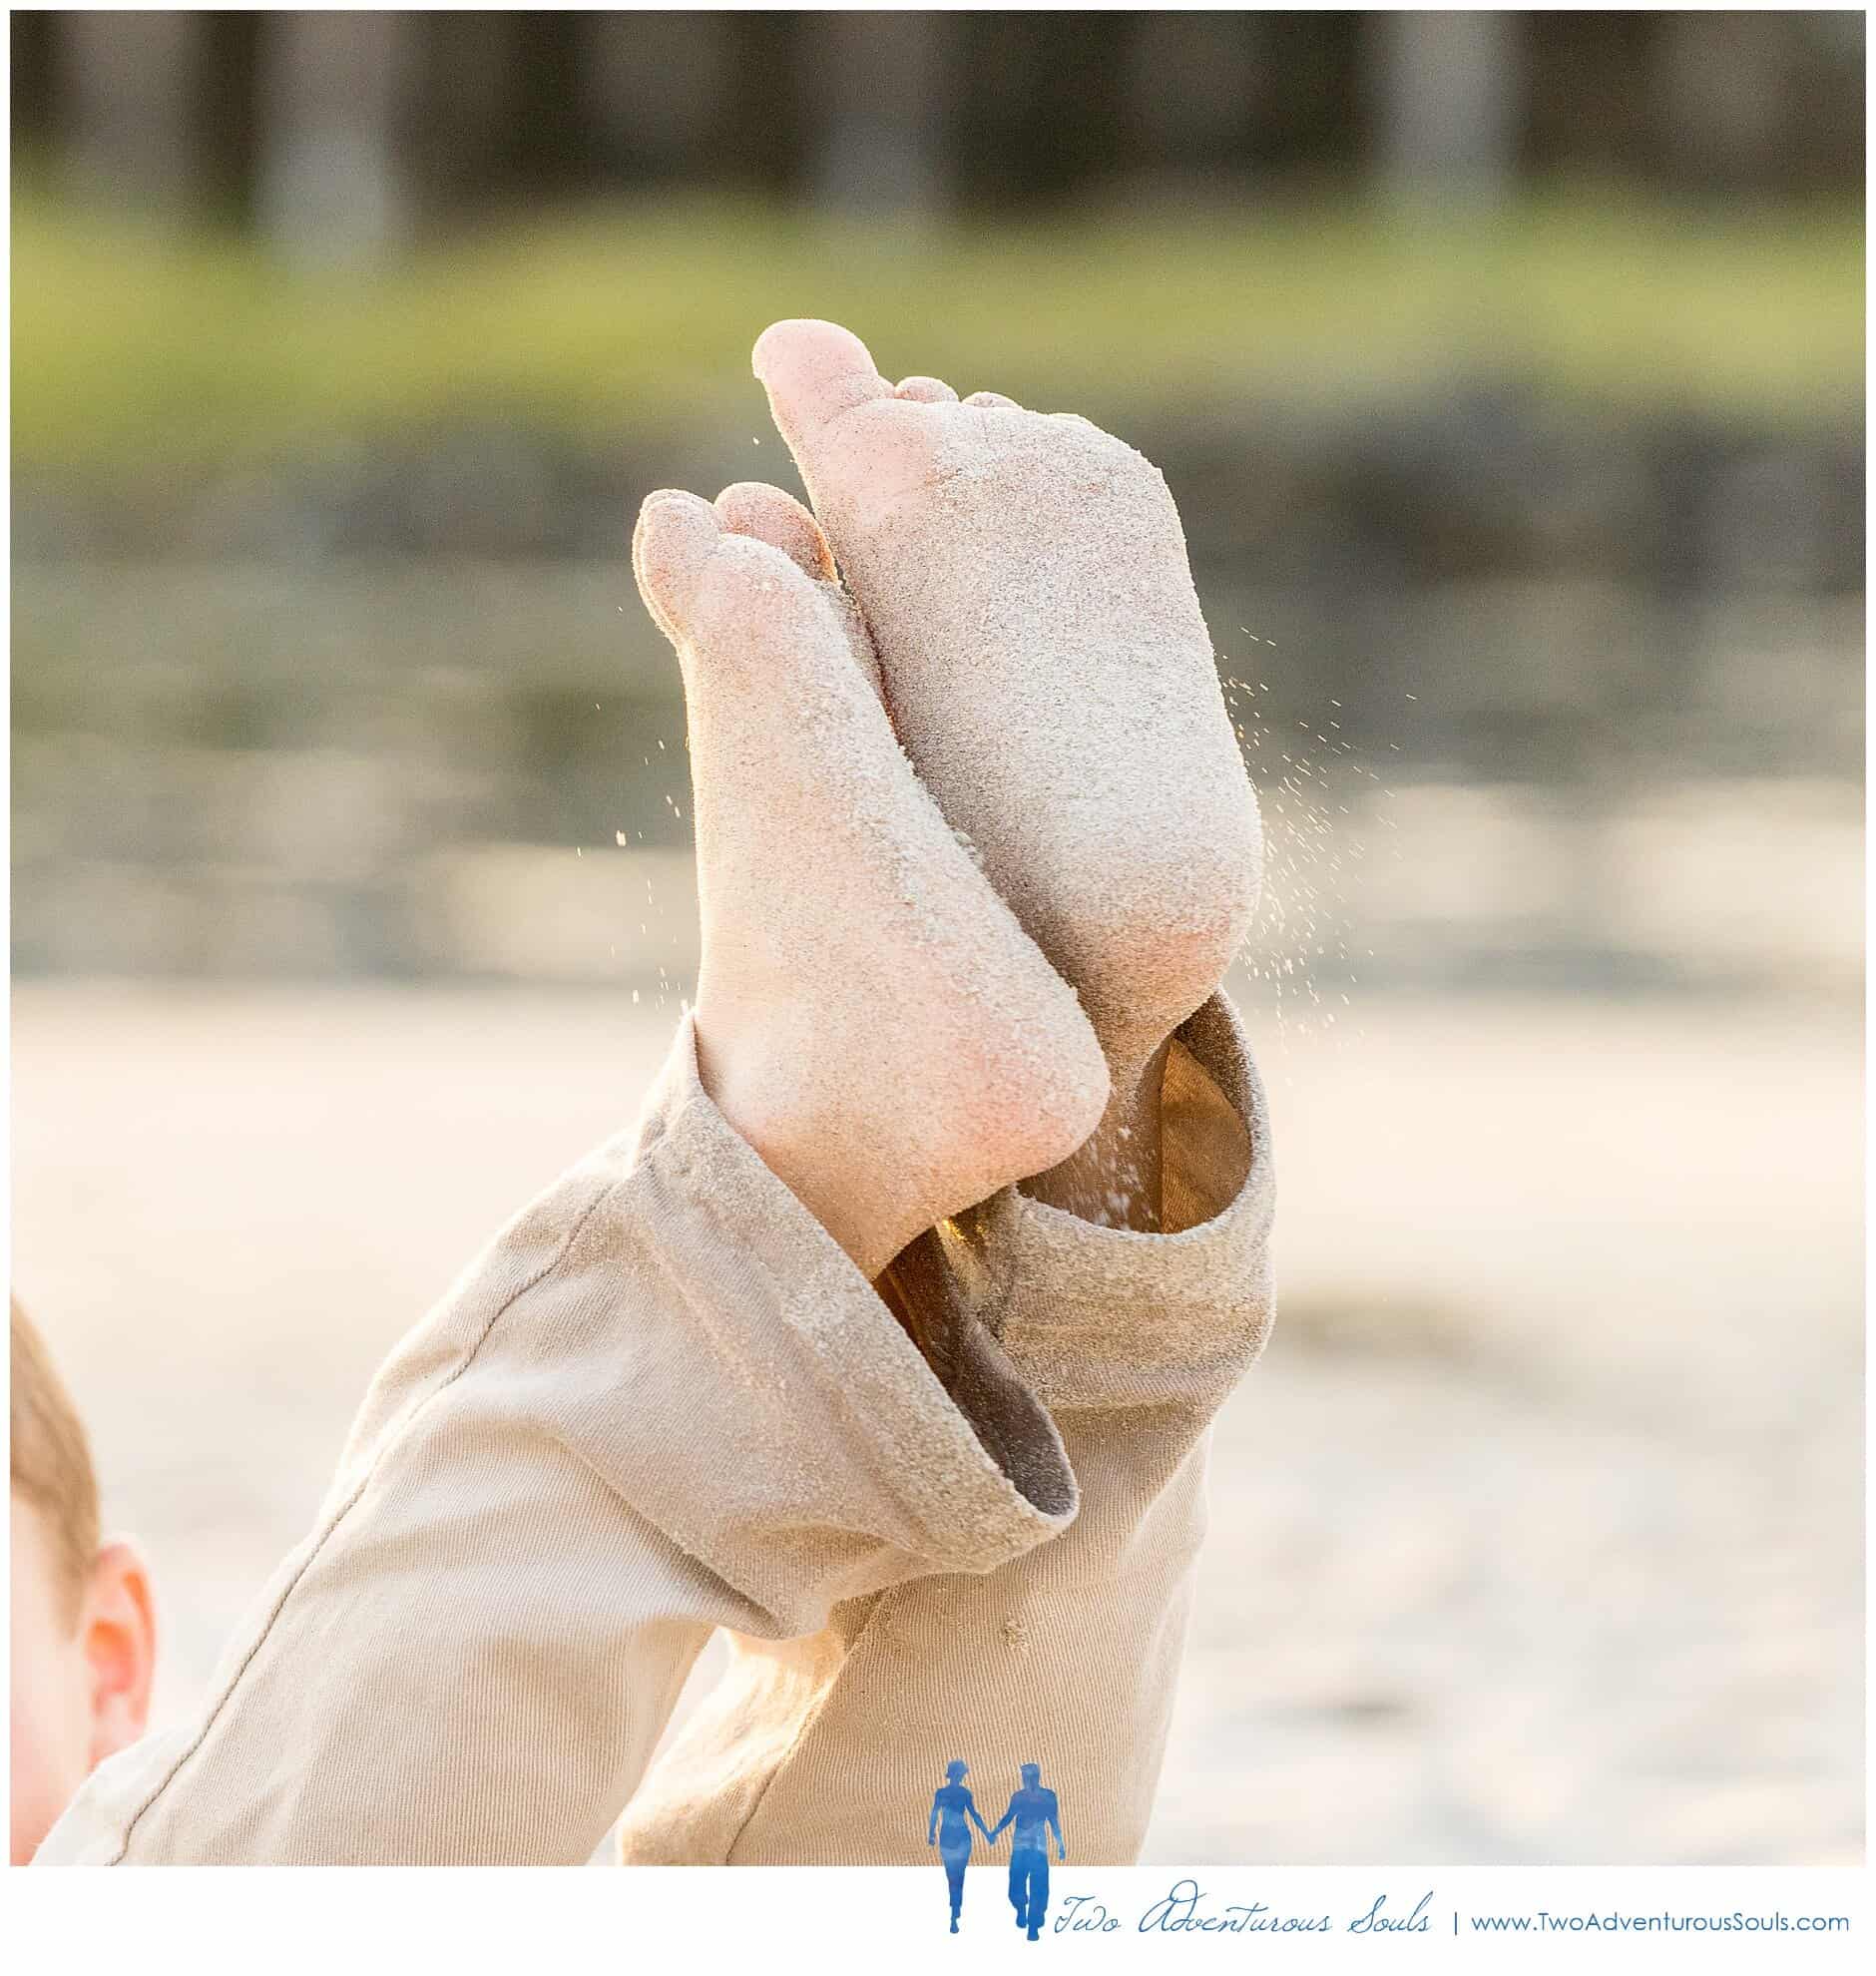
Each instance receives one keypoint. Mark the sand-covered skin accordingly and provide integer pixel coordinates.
(1046, 665)
(871, 1016)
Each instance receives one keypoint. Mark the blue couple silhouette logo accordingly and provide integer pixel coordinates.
(1033, 1811)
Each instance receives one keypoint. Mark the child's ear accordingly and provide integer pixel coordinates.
(119, 1634)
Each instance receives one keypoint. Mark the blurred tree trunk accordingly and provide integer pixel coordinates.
(880, 90)
(658, 88)
(35, 67)
(133, 81)
(331, 181)
(1449, 90)
(1724, 98)
(459, 140)
(1194, 85)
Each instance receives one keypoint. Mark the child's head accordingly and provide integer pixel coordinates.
(84, 1642)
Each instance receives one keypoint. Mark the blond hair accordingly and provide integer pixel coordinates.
(51, 1457)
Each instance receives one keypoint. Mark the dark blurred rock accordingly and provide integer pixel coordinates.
(1750, 509)
(1491, 482)
(1476, 483)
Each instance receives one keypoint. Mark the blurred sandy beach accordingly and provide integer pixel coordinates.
(1535, 1534)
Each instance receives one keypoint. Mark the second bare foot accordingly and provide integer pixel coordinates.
(870, 1017)
(1046, 662)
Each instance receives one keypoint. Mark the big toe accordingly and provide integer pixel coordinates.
(814, 373)
(675, 537)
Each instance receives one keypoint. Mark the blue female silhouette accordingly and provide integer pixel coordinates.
(952, 1805)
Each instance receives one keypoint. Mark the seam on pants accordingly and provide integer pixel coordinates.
(808, 1723)
(883, 1603)
(279, 1604)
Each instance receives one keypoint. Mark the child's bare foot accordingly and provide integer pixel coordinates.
(1047, 667)
(870, 1017)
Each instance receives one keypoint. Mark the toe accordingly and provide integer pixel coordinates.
(993, 399)
(812, 372)
(753, 507)
(765, 514)
(925, 391)
(675, 537)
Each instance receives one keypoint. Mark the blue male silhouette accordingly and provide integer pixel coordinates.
(953, 1812)
(1034, 1812)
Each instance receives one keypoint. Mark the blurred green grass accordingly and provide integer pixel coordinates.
(133, 345)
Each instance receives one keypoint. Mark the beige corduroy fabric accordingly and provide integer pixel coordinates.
(827, 1750)
(664, 1401)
